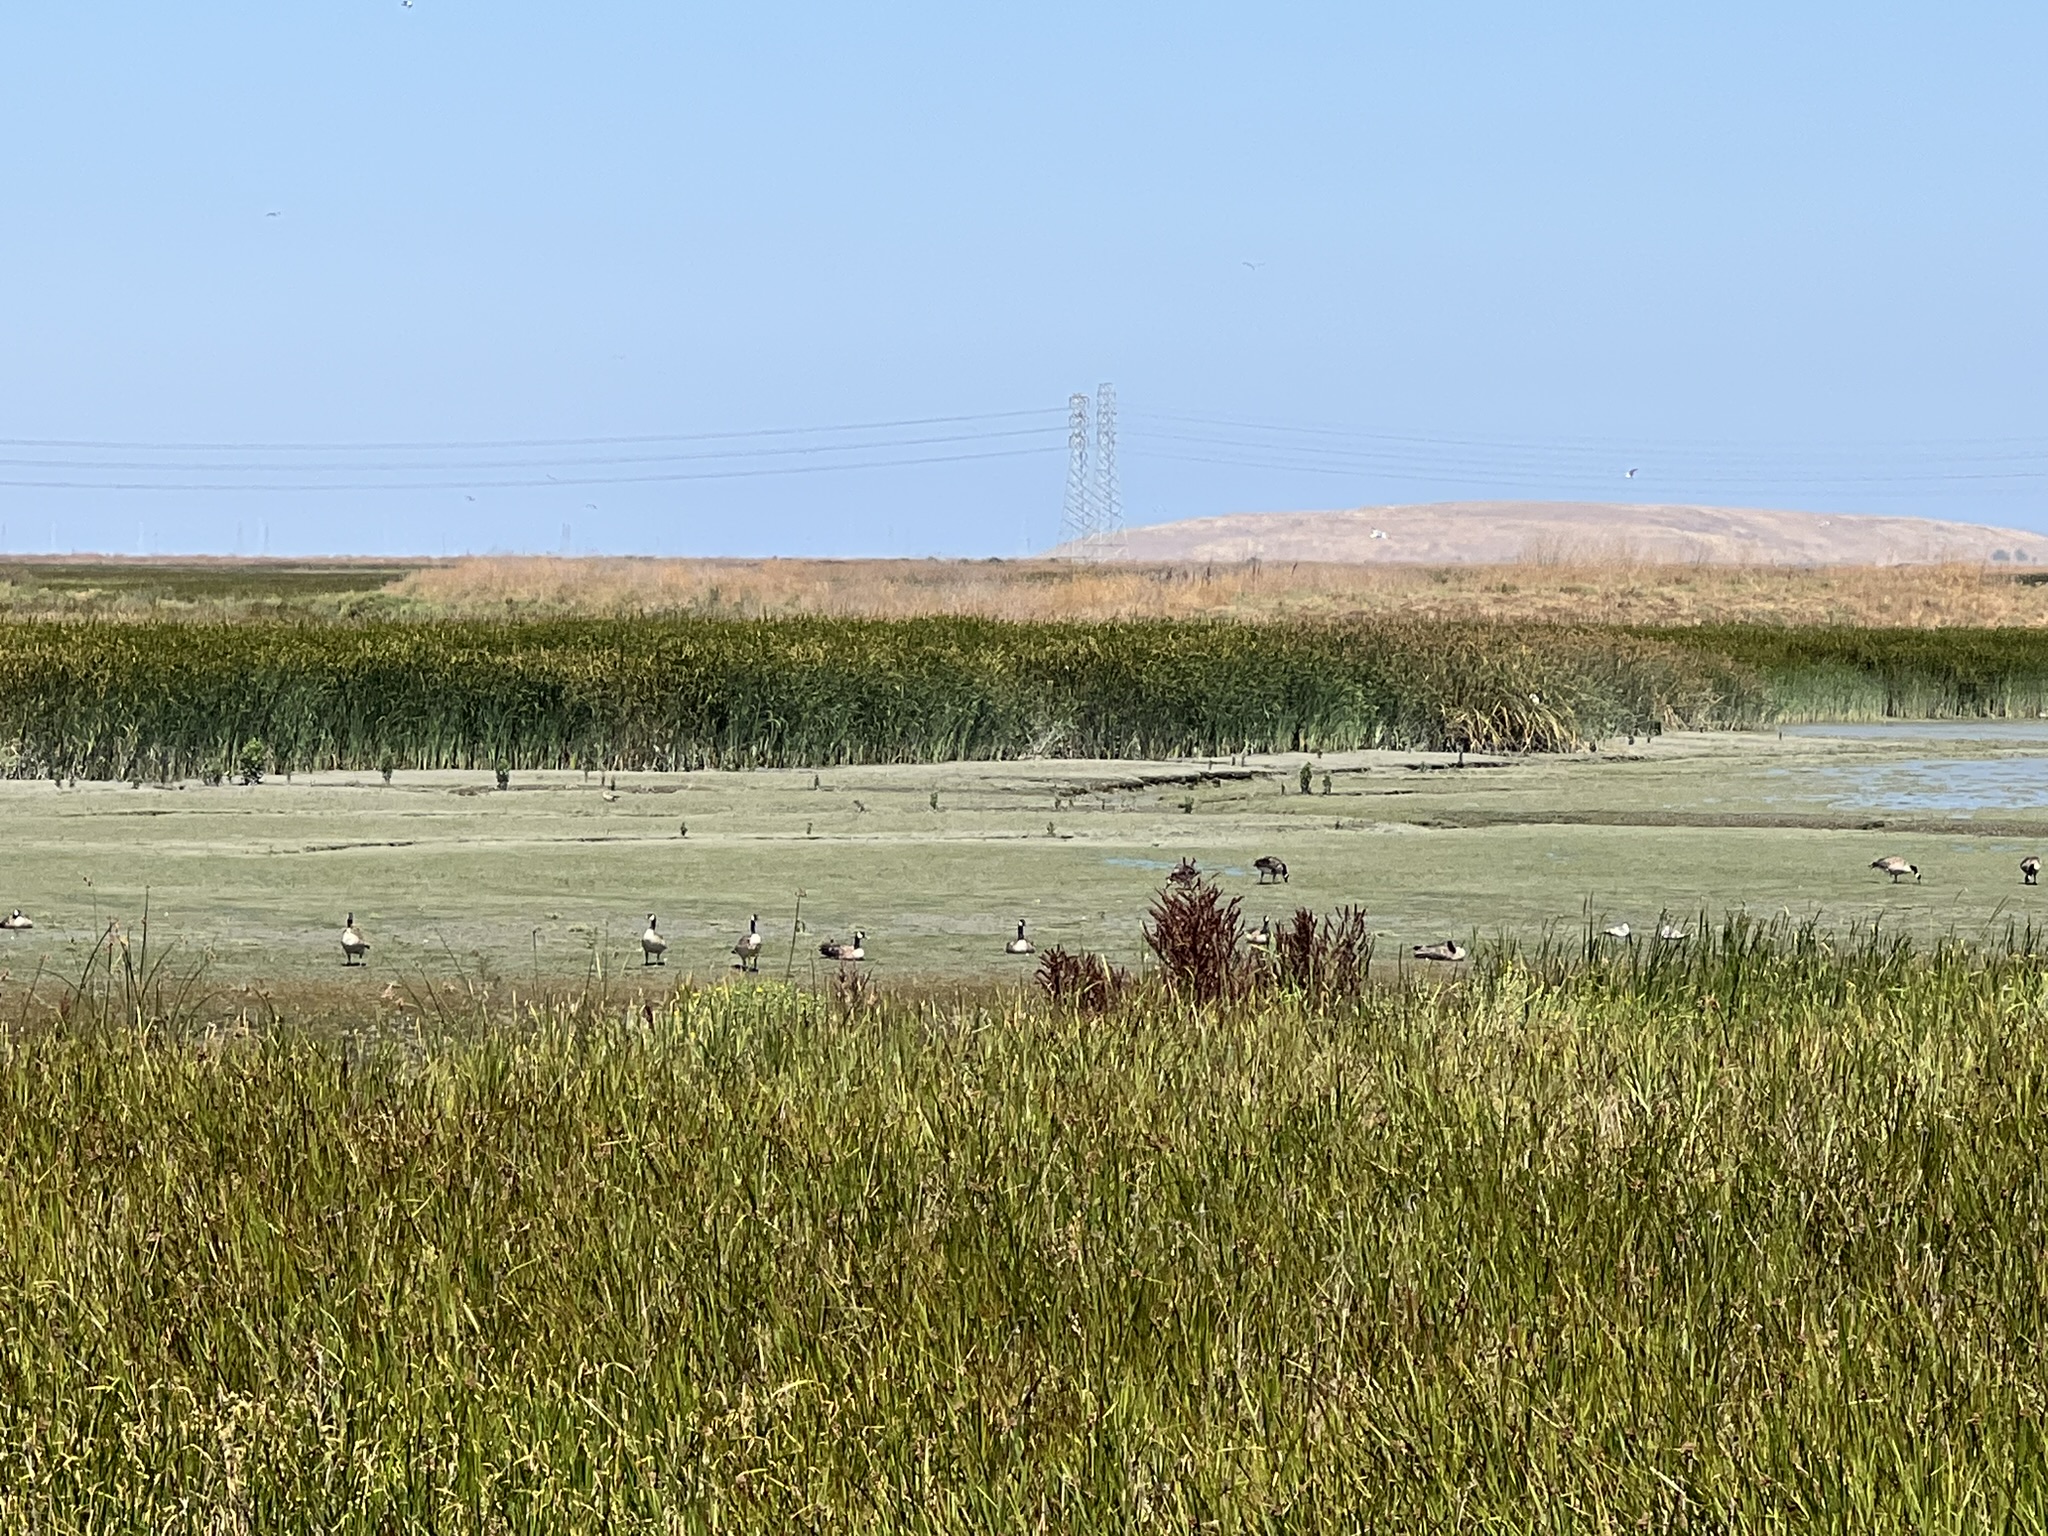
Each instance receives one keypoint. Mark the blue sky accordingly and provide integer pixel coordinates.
(1329, 255)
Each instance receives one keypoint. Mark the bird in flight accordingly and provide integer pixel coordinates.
(1630, 475)
(273, 214)
(1255, 265)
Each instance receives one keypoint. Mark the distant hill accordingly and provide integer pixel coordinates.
(1559, 532)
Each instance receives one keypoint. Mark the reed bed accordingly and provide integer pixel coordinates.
(1741, 1235)
(160, 701)
(1838, 673)
(163, 701)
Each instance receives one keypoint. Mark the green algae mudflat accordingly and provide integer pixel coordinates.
(555, 874)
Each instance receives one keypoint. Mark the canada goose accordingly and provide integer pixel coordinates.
(1271, 868)
(1261, 936)
(832, 949)
(353, 945)
(608, 796)
(1019, 945)
(1450, 949)
(652, 945)
(1891, 864)
(1617, 930)
(1671, 933)
(16, 920)
(2030, 870)
(749, 946)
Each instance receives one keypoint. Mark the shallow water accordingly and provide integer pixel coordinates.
(1940, 784)
(2027, 732)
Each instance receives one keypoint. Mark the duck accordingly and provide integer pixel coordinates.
(749, 946)
(1671, 933)
(1262, 936)
(1617, 930)
(856, 949)
(1450, 950)
(16, 920)
(353, 945)
(1891, 864)
(652, 945)
(1019, 945)
(2030, 870)
(1271, 868)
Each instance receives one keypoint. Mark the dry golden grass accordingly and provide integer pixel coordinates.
(1617, 592)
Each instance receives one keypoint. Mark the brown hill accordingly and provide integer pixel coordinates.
(1500, 532)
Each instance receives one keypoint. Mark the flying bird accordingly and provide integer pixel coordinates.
(1630, 475)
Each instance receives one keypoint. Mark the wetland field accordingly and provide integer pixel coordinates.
(506, 1230)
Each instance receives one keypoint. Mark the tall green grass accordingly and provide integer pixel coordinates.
(145, 700)
(163, 700)
(1883, 674)
(1746, 1236)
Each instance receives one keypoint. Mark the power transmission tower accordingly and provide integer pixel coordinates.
(1077, 519)
(1092, 523)
(1109, 501)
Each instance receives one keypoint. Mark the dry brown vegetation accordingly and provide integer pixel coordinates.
(1615, 592)
(1538, 589)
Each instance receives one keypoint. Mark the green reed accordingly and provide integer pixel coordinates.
(1880, 674)
(163, 700)
(1743, 1234)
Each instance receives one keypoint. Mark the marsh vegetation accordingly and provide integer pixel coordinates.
(1742, 1233)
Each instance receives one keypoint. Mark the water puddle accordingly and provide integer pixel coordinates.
(1940, 784)
(1164, 864)
(2017, 732)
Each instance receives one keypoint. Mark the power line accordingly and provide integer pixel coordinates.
(481, 485)
(447, 466)
(452, 444)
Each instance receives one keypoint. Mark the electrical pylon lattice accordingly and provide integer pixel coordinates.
(1091, 525)
(1109, 501)
(1077, 519)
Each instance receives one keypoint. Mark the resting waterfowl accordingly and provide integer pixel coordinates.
(1450, 950)
(1891, 864)
(1617, 930)
(353, 945)
(749, 946)
(2030, 870)
(1271, 868)
(16, 920)
(1019, 945)
(854, 949)
(1671, 933)
(1261, 936)
(652, 945)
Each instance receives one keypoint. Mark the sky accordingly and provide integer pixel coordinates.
(370, 277)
